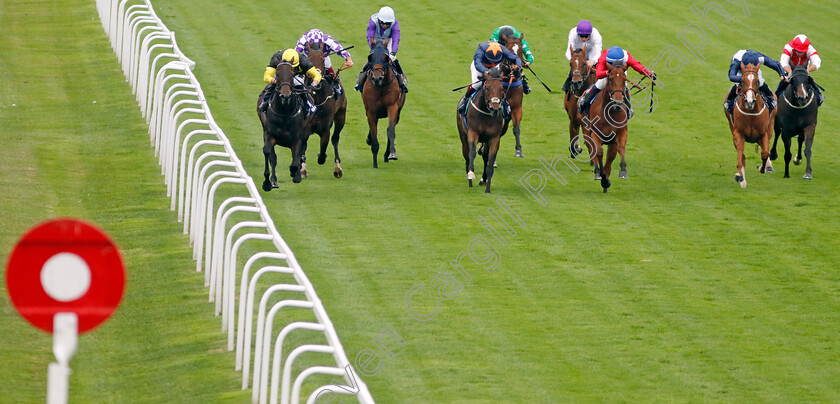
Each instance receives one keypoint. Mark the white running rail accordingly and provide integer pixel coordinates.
(195, 165)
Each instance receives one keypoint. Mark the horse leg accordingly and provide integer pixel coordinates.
(492, 151)
(483, 152)
(393, 117)
(777, 129)
(325, 141)
(303, 145)
(372, 140)
(339, 125)
(607, 168)
(798, 159)
(472, 139)
(621, 145)
(268, 151)
(574, 130)
(740, 176)
(294, 168)
(808, 134)
(766, 165)
(596, 155)
(788, 154)
(517, 119)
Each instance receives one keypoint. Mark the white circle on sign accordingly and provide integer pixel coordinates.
(65, 277)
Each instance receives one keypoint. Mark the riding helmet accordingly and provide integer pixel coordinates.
(493, 53)
(386, 15)
(291, 56)
(584, 27)
(614, 54)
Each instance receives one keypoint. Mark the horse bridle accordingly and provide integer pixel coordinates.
(279, 86)
(809, 90)
(385, 66)
(743, 92)
(583, 76)
(484, 95)
(621, 90)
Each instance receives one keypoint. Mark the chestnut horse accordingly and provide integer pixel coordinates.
(514, 88)
(483, 123)
(750, 121)
(283, 122)
(331, 109)
(607, 125)
(383, 99)
(797, 117)
(582, 77)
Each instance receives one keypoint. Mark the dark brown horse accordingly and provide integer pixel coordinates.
(797, 117)
(751, 121)
(383, 99)
(483, 123)
(514, 87)
(582, 77)
(607, 125)
(331, 109)
(283, 123)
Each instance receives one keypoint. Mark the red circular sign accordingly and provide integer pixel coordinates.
(65, 265)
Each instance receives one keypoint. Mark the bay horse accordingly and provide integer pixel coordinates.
(607, 125)
(483, 123)
(283, 123)
(331, 110)
(514, 89)
(797, 117)
(750, 121)
(582, 77)
(383, 99)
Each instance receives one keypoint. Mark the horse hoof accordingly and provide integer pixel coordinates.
(744, 184)
(470, 181)
(769, 169)
(787, 175)
(392, 156)
(322, 158)
(622, 174)
(797, 161)
(487, 191)
(518, 153)
(605, 183)
(481, 181)
(338, 173)
(807, 176)
(303, 173)
(296, 179)
(266, 186)
(738, 178)
(605, 190)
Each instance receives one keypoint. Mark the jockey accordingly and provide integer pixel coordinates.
(749, 56)
(384, 26)
(799, 52)
(301, 65)
(487, 55)
(507, 31)
(615, 56)
(583, 34)
(317, 37)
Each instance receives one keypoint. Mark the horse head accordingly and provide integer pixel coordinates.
(579, 67)
(315, 52)
(616, 82)
(800, 82)
(749, 86)
(284, 78)
(380, 64)
(494, 91)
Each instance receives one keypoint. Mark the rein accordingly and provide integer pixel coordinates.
(483, 92)
(791, 90)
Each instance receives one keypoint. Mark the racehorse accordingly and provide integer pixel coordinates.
(331, 109)
(383, 99)
(797, 117)
(513, 87)
(750, 121)
(582, 78)
(283, 123)
(483, 123)
(608, 119)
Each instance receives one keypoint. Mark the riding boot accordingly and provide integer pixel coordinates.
(568, 84)
(310, 103)
(816, 87)
(586, 100)
(462, 105)
(769, 99)
(525, 87)
(506, 110)
(729, 104)
(360, 82)
(781, 88)
(266, 96)
(401, 81)
(630, 111)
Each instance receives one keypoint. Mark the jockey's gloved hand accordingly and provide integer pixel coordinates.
(652, 75)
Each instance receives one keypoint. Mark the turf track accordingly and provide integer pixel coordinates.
(675, 286)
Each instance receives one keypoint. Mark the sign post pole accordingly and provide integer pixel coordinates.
(65, 336)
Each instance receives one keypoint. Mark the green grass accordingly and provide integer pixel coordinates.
(676, 286)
